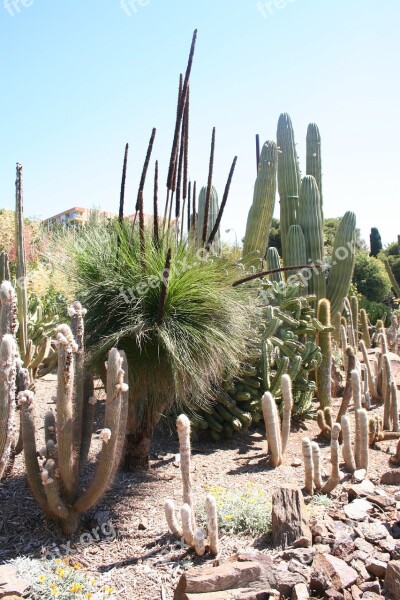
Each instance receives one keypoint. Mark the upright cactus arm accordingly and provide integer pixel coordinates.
(296, 252)
(348, 455)
(8, 352)
(117, 397)
(4, 267)
(288, 178)
(26, 401)
(262, 209)
(183, 427)
(273, 261)
(272, 426)
(8, 312)
(21, 266)
(65, 423)
(316, 459)
(362, 438)
(88, 415)
(173, 525)
(371, 379)
(311, 223)
(334, 478)
(324, 371)
(52, 490)
(212, 524)
(354, 313)
(313, 156)
(308, 465)
(393, 281)
(77, 313)
(343, 256)
(365, 328)
(286, 387)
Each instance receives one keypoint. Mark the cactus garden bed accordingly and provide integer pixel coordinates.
(134, 554)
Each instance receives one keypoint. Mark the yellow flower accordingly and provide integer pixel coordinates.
(58, 560)
(75, 588)
(60, 572)
(228, 517)
(107, 589)
(92, 581)
(77, 565)
(55, 592)
(42, 578)
(88, 595)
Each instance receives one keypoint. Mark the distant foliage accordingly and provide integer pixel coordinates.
(371, 278)
(375, 242)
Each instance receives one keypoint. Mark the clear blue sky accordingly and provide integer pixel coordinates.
(79, 79)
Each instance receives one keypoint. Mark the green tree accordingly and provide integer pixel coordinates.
(375, 241)
(370, 277)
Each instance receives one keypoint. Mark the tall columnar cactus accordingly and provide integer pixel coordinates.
(289, 179)
(22, 294)
(393, 281)
(362, 439)
(365, 328)
(297, 253)
(260, 215)
(272, 427)
(212, 216)
(273, 261)
(8, 355)
(308, 465)
(354, 313)
(334, 478)
(55, 481)
(310, 220)
(348, 454)
(343, 256)
(313, 156)
(324, 371)
(4, 267)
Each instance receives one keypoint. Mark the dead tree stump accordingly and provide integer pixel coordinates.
(289, 522)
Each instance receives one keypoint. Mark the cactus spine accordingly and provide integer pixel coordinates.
(362, 439)
(56, 485)
(334, 478)
(348, 455)
(261, 211)
(365, 328)
(324, 371)
(8, 355)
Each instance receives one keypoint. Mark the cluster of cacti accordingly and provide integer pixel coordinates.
(301, 216)
(312, 464)
(13, 378)
(55, 477)
(286, 344)
(193, 536)
(277, 434)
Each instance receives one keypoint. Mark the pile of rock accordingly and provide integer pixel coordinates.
(354, 554)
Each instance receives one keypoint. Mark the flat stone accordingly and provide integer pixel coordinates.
(397, 496)
(372, 596)
(217, 579)
(376, 567)
(373, 532)
(359, 475)
(362, 544)
(300, 592)
(333, 594)
(359, 566)
(322, 548)
(362, 489)
(391, 477)
(335, 569)
(356, 593)
(392, 579)
(381, 501)
(11, 583)
(358, 509)
(303, 555)
(344, 550)
(371, 586)
(294, 566)
(388, 545)
(360, 555)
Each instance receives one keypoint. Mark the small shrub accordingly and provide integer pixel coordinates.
(246, 510)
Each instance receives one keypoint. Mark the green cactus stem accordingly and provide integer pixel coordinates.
(261, 211)
(365, 328)
(311, 223)
(343, 256)
(273, 261)
(289, 179)
(313, 156)
(324, 371)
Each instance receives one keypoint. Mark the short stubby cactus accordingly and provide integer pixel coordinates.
(55, 479)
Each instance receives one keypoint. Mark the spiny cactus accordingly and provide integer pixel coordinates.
(277, 441)
(308, 465)
(334, 478)
(273, 261)
(212, 217)
(362, 439)
(260, 214)
(324, 371)
(8, 356)
(348, 455)
(365, 328)
(55, 482)
(194, 537)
